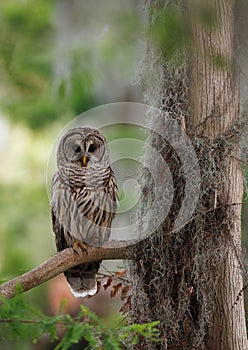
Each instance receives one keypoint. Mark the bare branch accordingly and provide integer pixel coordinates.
(62, 261)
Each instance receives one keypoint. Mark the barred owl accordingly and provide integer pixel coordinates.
(83, 201)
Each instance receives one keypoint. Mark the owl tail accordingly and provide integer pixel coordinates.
(82, 279)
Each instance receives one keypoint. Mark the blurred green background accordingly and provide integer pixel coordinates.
(57, 60)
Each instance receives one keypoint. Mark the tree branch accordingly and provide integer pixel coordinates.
(62, 261)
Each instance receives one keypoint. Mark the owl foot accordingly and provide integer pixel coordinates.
(79, 247)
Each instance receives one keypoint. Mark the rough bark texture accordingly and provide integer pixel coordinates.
(215, 109)
(215, 87)
(189, 278)
(228, 329)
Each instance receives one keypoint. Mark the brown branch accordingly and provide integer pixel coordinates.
(62, 261)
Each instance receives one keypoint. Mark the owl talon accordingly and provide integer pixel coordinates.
(78, 247)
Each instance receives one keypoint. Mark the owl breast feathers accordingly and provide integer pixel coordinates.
(83, 200)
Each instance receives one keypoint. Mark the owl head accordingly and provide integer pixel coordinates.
(82, 148)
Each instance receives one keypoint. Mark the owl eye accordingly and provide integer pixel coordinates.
(76, 148)
(92, 148)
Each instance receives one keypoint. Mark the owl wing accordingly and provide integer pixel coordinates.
(58, 230)
(68, 222)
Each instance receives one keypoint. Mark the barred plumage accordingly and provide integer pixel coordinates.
(83, 202)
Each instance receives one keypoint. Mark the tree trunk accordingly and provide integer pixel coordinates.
(190, 277)
(215, 109)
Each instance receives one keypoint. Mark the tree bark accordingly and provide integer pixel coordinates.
(61, 262)
(215, 110)
(190, 278)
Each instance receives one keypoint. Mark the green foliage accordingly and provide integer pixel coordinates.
(27, 63)
(19, 320)
(147, 330)
(50, 70)
(25, 60)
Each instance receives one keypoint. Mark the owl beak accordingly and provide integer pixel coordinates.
(84, 160)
